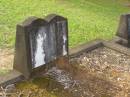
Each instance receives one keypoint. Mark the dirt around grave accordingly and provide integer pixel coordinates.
(38, 87)
(100, 73)
(103, 73)
(6, 60)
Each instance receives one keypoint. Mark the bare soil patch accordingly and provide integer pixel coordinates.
(6, 60)
(103, 73)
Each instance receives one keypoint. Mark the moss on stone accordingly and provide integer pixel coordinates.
(41, 87)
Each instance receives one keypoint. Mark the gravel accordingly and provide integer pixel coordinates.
(103, 73)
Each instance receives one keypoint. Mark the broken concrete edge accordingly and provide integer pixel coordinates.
(15, 76)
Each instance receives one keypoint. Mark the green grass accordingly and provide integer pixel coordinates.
(88, 19)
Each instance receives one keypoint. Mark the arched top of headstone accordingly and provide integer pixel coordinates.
(54, 18)
(32, 21)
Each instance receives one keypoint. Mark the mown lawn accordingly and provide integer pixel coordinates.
(88, 19)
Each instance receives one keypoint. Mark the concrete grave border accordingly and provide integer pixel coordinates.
(15, 76)
(100, 43)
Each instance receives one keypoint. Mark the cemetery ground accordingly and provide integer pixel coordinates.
(102, 72)
(99, 73)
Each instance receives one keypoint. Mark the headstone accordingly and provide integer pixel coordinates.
(39, 42)
(128, 28)
(124, 28)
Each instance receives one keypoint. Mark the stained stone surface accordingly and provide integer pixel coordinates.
(40, 41)
(61, 42)
(122, 28)
(128, 25)
(128, 31)
(38, 49)
(48, 43)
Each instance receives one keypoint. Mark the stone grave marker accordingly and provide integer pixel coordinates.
(124, 27)
(128, 28)
(39, 42)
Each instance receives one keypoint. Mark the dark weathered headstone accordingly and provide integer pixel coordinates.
(124, 27)
(128, 28)
(40, 41)
(59, 30)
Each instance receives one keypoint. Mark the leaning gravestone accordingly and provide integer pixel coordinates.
(39, 42)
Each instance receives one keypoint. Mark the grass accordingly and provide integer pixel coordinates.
(88, 19)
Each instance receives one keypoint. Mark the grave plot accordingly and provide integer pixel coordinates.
(40, 43)
(43, 65)
(96, 69)
(103, 73)
(102, 69)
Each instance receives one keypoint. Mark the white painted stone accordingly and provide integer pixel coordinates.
(64, 46)
(64, 38)
(40, 53)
